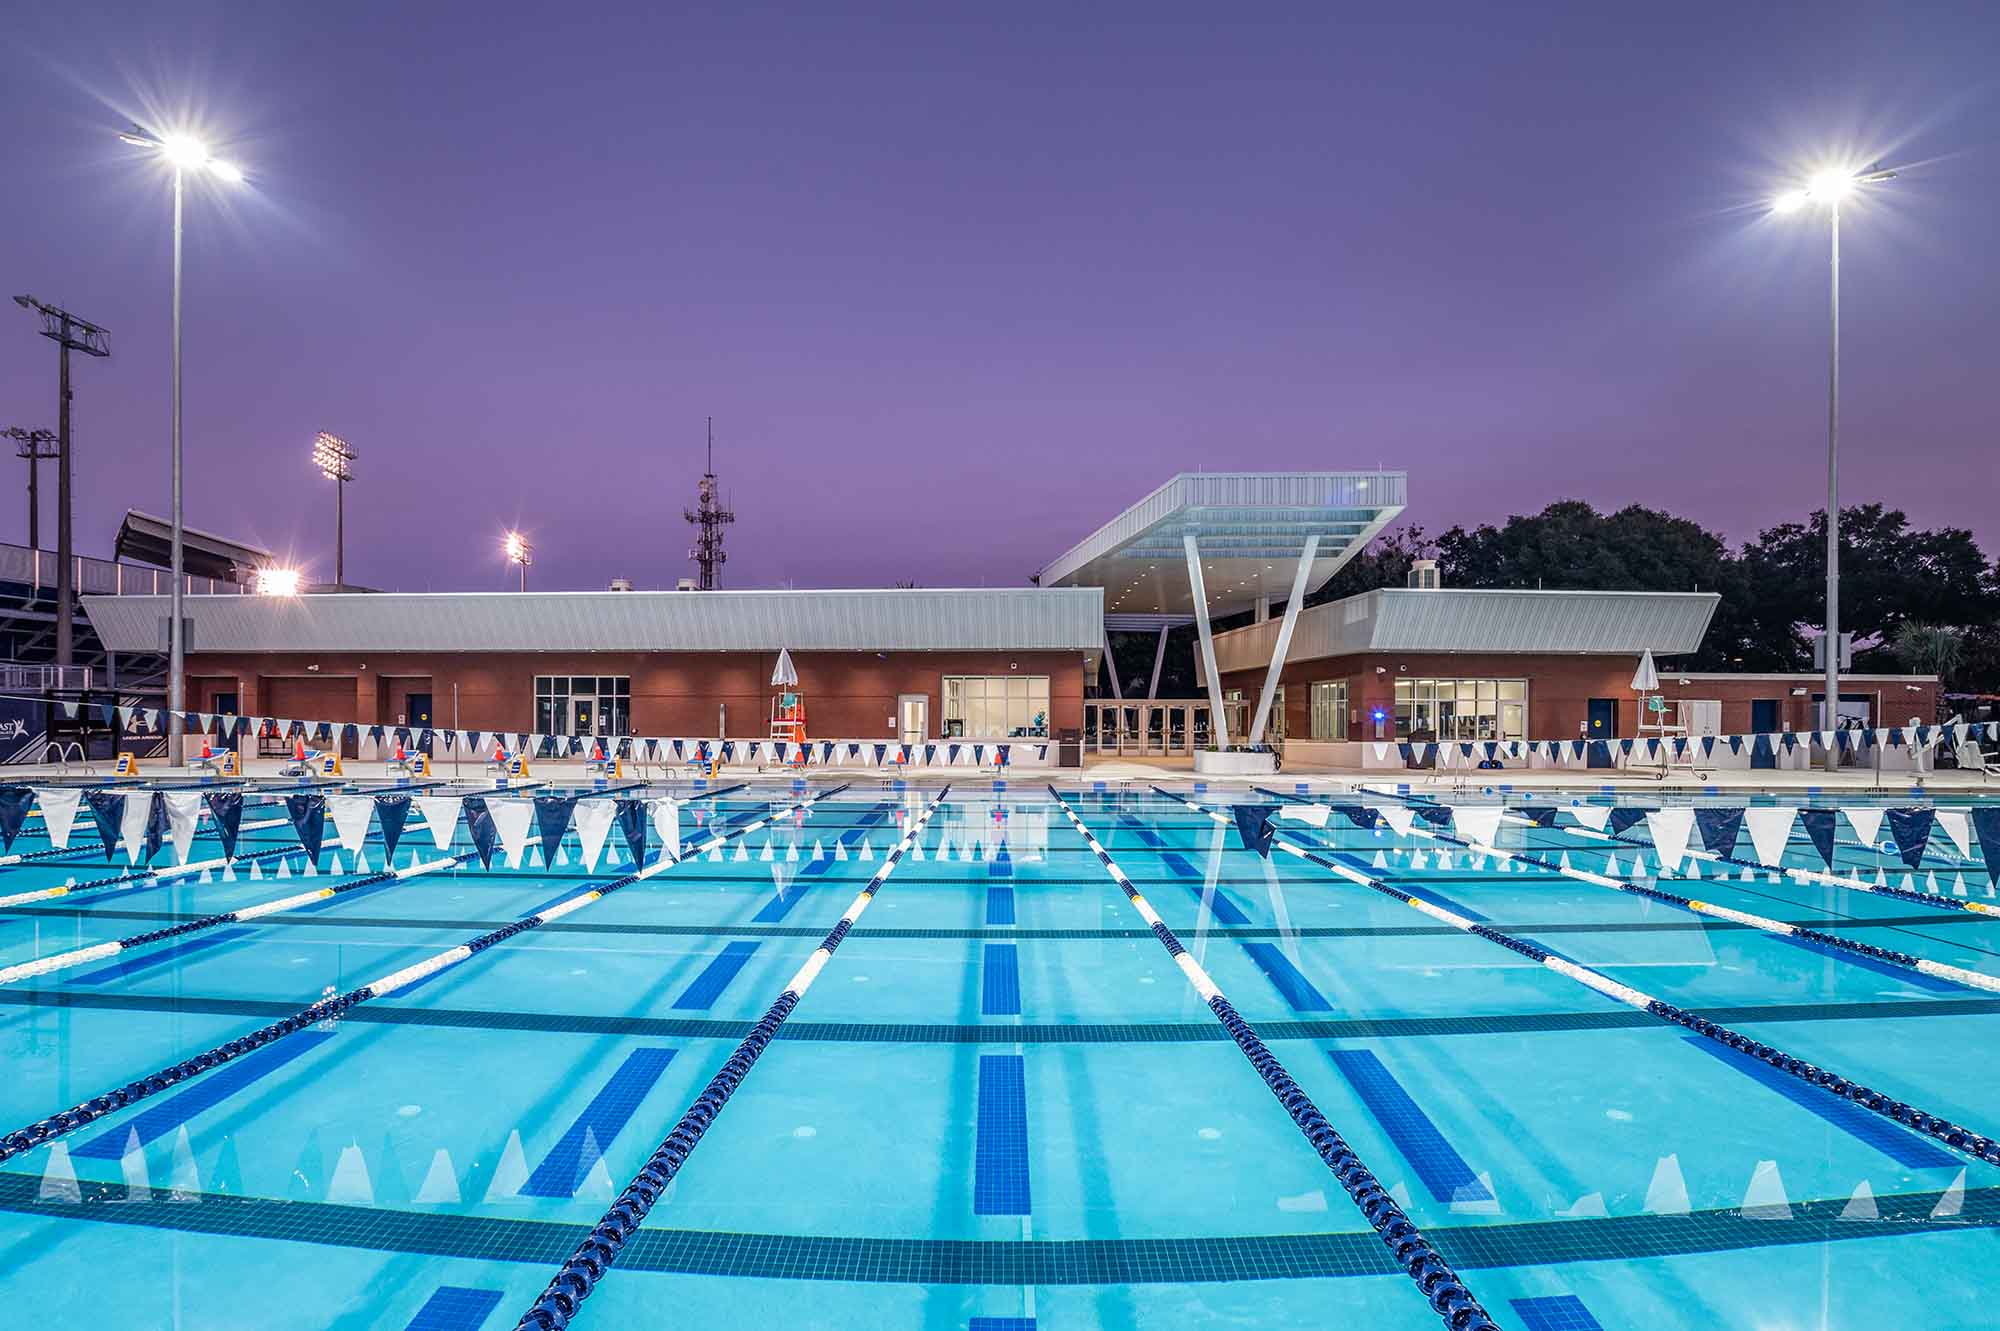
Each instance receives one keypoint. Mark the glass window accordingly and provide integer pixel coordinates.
(996, 706)
(1462, 709)
(1329, 709)
(583, 704)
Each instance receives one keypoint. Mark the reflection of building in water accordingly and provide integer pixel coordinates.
(990, 824)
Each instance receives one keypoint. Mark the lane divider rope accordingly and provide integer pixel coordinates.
(25, 1139)
(1955, 1135)
(592, 1258)
(163, 874)
(1448, 1295)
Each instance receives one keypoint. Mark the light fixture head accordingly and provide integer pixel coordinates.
(184, 150)
(274, 581)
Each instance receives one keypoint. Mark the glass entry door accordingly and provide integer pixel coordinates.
(914, 718)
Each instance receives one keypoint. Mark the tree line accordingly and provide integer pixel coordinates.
(1917, 600)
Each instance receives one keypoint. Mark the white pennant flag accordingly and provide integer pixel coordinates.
(440, 814)
(1312, 814)
(350, 818)
(1596, 817)
(1954, 825)
(1477, 823)
(58, 805)
(1381, 752)
(132, 832)
(1769, 830)
(1398, 816)
(1867, 823)
(592, 821)
(510, 820)
(183, 810)
(667, 822)
(1670, 829)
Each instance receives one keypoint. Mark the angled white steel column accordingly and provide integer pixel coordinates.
(1111, 664)
(1284, 640)
(1159, 655)
(1218, 720)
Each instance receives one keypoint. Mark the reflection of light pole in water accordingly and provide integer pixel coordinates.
(1830, 187)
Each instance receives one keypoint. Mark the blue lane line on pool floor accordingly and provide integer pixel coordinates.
(1000, 1148)
(1559, 1312)
(1894, 972)
(1286, 978)
(604, 1117)
(708, 985)
(1000, 990)
(999, 905)
(455, 1308)
(1904, 1147)
(1442, 1169)
(1002, 1324)
(118, 970)
(780, 906)
(205, 1093)
(1002, 864)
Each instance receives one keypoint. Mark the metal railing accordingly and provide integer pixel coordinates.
(102, 577)
(17, 678)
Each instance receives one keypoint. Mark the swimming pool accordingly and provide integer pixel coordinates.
(1003, 1102)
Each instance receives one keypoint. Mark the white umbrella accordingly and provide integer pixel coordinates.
(786, 676)
(1645, 679)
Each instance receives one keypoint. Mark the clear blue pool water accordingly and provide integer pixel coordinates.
(1002, 1105)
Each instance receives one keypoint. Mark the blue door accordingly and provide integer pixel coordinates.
(1603, 725)
(1764, 721)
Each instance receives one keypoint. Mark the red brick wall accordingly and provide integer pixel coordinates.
(1560, 687)
(673, 693)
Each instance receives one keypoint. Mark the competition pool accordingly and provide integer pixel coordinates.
(1005, 1102)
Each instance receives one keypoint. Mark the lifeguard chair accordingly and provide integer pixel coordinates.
(788, 709)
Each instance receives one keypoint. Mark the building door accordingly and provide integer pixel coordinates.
(420, 718)
(1764, 721)
(1601, 720)
(913, 712)
(583, 716)
(223, 704)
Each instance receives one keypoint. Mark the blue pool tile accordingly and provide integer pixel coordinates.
(1890, 969)
(1443, 1171)
(455, 1308)
(1559, 1312)
(203, 1093)
(604, 1117)
(708, 985)
(1002, 1324)
(1226, 911)
(999, 905)
(1285, 977)
(1001, 865)
(145, 961)
(1000, 991)
(1899, 1144)
(1000, 1150)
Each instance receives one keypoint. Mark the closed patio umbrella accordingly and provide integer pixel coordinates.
(1645, 679)
(787, 677)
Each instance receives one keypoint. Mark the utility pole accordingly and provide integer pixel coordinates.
(37, 446)
(69, 333)
(709, 518)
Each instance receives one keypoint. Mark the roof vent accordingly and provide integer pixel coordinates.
(1423, 575)
(685, 585)
(621, 584)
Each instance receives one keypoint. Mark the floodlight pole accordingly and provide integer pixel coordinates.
(69, 333)
(176, 642)
(1832, 639)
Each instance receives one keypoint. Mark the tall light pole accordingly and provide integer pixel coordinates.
(184, 154)
(1829, 188)
(335, 461)
(520, 552)
(69, 333)
(37, 446)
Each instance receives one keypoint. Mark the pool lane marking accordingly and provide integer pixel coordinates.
(1954, 1135)
(163, 1118)
(1448, 1295)
(715, 977)
(579, 1275)
(160, 876)
(455, 1308)
(1441, 1168)
(27, 1138)
(1850, 948)
(1906, 1149)
(1555, 1312)
(562, 1168)
(57, 961)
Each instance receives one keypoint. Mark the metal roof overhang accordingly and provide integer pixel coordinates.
(1251, 528)
(149, 540)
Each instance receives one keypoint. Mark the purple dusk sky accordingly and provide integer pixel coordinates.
(959, 282)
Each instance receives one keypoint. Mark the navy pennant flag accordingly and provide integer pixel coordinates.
(1540, 817)
(108, 811)
(1253, 826)
(631, 823)
(880, 750)
(1406, 750)
(1439, 815)
(1624, 820)
(308, 815)
(1719, 829)
(15, 801)
(1360, 815)
(479, 822)
(1760, 746)
(1986, 822)
(392, 811)
(225, 807)
(552, 817)
(1819, 828)
(156, 830)
(1912, 830)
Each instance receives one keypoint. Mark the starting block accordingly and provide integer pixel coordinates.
(504, 767)
(407, 766)
(212, 764)
(128, 765)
